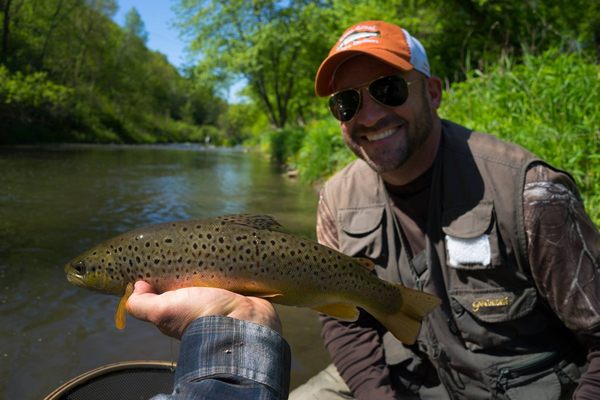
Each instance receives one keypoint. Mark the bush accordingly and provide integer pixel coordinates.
(549, 104)
(323, 151)
(31, 107)
(33, 90)
(284, 145)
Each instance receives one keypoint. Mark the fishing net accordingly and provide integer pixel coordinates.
(129, 380)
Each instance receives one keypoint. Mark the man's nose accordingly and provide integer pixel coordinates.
(370, 112)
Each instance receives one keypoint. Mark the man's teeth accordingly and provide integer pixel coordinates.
(381, 135)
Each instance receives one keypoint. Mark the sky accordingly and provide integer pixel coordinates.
(157, 16)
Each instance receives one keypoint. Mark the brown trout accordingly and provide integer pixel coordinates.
(250, 255)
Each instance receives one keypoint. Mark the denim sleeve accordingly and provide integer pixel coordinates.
(224, 358)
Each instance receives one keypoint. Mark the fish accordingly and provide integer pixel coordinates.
(252, 255)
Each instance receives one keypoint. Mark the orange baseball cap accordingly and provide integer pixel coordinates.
(386, 42)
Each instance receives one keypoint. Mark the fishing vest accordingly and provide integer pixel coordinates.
(493, 337)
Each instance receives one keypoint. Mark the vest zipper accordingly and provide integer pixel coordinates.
(536, 364)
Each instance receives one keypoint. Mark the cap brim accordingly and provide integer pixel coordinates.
(326, 72)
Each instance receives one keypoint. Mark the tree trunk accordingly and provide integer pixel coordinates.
(5, 8)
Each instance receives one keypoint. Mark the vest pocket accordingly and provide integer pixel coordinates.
(489, 317)
(489, 298)
(470, 237)
(361, 233)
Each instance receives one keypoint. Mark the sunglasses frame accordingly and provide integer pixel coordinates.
(368, 85)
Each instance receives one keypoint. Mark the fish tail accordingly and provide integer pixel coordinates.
(405, 323)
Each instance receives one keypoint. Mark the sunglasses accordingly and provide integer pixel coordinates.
(391, 91)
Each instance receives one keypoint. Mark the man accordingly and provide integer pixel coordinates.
(500, 236)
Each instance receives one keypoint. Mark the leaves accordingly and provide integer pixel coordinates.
(268, 43)
(81, 77)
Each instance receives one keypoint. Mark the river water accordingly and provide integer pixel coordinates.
(56, 201)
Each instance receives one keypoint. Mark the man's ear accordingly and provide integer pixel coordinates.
(434, 88)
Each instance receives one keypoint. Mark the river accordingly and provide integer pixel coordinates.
(56, 201)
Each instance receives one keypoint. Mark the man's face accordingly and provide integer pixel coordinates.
(385, 137)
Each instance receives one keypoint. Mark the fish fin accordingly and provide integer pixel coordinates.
(254, 221)
(345, 311)
(406, 323)
(365, 262)
(120, 314)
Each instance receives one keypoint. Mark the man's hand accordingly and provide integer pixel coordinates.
(173, 311)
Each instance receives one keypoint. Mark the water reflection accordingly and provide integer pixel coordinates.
(57, 201)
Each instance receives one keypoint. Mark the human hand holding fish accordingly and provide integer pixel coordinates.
(173, 311)
(250, 255)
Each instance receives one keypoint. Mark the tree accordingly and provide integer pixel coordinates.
(5, 9)
(268, 43)
(134, 25)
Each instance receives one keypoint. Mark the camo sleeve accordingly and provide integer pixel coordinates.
(564, 255)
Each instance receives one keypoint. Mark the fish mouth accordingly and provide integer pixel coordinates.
(73, 277)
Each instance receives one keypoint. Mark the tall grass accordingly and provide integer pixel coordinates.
(549, 104)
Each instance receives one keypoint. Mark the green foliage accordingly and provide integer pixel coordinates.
(284, 145)
(549, 104)
(271, 44)
(31, 100)
(236, 123)
(323, 152)
(77, 76)
(31, 90)
(475, 33)
(134, 25)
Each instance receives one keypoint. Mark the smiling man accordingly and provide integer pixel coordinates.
(498, 234)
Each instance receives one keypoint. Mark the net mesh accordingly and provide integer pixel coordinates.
(122, 383)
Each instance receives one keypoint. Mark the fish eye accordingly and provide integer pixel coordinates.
(79, 268)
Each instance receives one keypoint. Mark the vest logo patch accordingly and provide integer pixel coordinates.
(498, 302)
(470, 251)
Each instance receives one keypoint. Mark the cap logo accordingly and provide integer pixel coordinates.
(358, 37)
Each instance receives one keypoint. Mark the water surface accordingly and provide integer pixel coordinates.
(56, 201)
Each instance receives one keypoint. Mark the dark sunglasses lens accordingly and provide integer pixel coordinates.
(390, 90)
(343, 105)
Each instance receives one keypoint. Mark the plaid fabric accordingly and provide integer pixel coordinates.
(224, 358)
